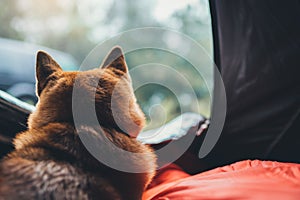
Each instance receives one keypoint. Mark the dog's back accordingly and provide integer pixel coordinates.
(53, 166)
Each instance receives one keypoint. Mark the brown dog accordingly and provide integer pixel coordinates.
(50, 160)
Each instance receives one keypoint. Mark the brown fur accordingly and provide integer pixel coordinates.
(50, 161)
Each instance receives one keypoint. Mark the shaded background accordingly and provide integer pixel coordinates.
(76, 27)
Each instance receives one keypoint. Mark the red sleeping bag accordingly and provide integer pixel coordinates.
(242, 180)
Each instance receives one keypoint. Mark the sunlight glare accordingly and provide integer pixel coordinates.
(165, 8)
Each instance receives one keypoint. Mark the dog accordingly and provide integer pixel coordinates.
(50, 160)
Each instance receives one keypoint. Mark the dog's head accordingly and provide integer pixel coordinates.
(108, 87)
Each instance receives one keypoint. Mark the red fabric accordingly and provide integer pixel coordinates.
(241, 180)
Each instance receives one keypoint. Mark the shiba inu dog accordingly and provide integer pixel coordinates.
(50, 160)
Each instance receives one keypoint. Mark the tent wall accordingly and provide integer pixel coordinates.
(257, 50)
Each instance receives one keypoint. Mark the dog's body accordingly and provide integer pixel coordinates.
(50, 160)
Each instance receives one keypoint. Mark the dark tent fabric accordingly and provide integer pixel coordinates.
(257, 50)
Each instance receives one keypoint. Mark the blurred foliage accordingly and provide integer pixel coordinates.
(75, 27)
(8, 13)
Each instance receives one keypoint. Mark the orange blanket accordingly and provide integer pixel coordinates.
(242, 180)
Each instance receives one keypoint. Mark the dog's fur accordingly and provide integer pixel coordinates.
(50, 161)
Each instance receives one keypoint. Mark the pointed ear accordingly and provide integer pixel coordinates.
(115, 59)
(45, 66)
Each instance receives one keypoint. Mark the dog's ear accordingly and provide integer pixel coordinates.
(45, 67)
(115, 59)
